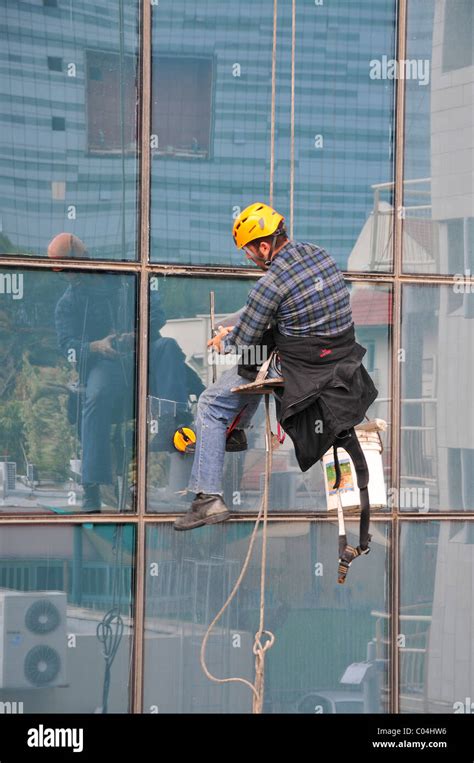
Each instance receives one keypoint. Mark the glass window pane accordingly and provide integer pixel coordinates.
(344, 128)
(180, 368)
(60, 588)
(69, 129)
(436, 657)
(439, 159)
(67, 380)
(437, 415)
(325, 659)
(211, 127)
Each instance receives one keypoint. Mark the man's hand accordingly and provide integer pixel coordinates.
(215, 342)
(104, 346)
(126, 341)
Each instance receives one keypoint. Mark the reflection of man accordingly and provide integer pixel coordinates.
(304, 298)
(95, 325)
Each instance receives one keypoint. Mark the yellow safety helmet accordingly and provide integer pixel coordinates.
(255, 221)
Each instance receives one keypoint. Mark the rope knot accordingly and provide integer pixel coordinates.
(258, 649)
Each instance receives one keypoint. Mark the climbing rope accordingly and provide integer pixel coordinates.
(264, 639)
(272, 114)
(292, 117)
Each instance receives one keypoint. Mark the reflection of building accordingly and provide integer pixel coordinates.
(61, 126)
(450, 670)
(438, 416)
(75, 91)
(452, 128)
(452, 161)
(439, 163)
(192, 335)
(372, 313)
(439, 380)
(194, 195)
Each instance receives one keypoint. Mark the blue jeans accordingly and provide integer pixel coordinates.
(108, 400)
(217, 408)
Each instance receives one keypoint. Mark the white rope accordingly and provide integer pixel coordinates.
(272, 115)
(292, 117)
(259, 649)
(340, 514)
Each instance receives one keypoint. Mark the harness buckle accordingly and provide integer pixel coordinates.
(349, 553)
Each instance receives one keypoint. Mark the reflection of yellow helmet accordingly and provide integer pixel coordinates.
(184, 440)
(255, 221)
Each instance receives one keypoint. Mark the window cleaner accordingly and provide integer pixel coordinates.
(301, 307)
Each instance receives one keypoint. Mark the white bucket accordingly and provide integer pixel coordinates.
(75, 465)
(348, 490)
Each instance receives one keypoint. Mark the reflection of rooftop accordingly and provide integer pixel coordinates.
(373, 248)
(420, 234)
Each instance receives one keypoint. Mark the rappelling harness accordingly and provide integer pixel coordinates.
(346, 439)
(349, 441)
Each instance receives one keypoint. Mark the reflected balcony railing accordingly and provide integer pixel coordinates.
(419, 440)
(419, 233)
(415, 622)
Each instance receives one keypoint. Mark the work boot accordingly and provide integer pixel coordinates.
(206, 509)
(91, 502)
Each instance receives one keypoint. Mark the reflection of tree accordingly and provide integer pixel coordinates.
(32, 399)
(17, 337)
(11, 430)
(11, 346)
(157, 468)
(47, 433)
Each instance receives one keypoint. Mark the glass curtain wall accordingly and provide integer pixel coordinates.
(133, 134)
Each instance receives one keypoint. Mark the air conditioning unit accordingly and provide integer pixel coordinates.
(33, 639)
(31, 473)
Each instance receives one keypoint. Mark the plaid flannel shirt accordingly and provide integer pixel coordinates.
(303, 292)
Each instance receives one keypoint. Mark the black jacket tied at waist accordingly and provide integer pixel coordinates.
(327, 389)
